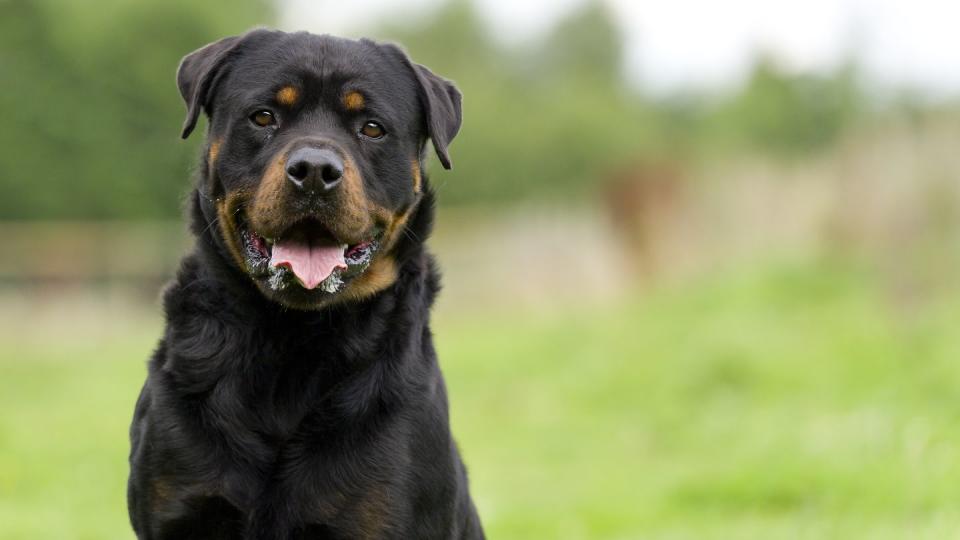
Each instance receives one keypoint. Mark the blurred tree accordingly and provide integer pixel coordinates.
(790, 114)
(31, 71)
(586, 47)
(92, 109)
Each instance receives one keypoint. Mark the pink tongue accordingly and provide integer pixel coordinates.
(310, 263)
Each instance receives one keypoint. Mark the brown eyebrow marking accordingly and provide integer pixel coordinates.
(288, 96)
(353, 101)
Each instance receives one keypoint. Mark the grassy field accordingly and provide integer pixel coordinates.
(781, 402)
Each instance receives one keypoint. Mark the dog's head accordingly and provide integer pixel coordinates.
(314, 153)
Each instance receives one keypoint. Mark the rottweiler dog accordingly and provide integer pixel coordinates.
(295, 393)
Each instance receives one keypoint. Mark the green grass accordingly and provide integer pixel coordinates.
(776, 403)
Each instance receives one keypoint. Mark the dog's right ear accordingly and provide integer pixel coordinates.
(196, 74)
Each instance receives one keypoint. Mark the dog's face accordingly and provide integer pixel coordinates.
(314, 156)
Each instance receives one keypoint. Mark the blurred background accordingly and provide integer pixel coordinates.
(701, 259)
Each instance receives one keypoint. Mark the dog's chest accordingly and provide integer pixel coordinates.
(289, 434)
(315, 472)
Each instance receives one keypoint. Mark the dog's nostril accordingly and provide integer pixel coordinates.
(299, 170)
(331, 173)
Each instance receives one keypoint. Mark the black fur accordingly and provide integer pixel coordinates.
(258, 421)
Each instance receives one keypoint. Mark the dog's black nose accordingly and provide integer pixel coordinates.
(314, 169)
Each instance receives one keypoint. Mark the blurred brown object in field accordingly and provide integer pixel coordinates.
(645, 201)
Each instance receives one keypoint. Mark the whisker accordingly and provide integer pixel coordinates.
(412, 235)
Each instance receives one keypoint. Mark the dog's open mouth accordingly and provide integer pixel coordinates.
(306, 254)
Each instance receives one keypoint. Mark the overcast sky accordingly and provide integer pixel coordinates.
(701, 42)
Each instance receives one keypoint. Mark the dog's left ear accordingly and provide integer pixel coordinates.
(196, 74)
(442, 103)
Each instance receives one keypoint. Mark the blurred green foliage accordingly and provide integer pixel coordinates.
(788, 114)
(93, 113)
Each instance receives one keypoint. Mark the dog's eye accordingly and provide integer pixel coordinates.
(373, 130)
(263, 118)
